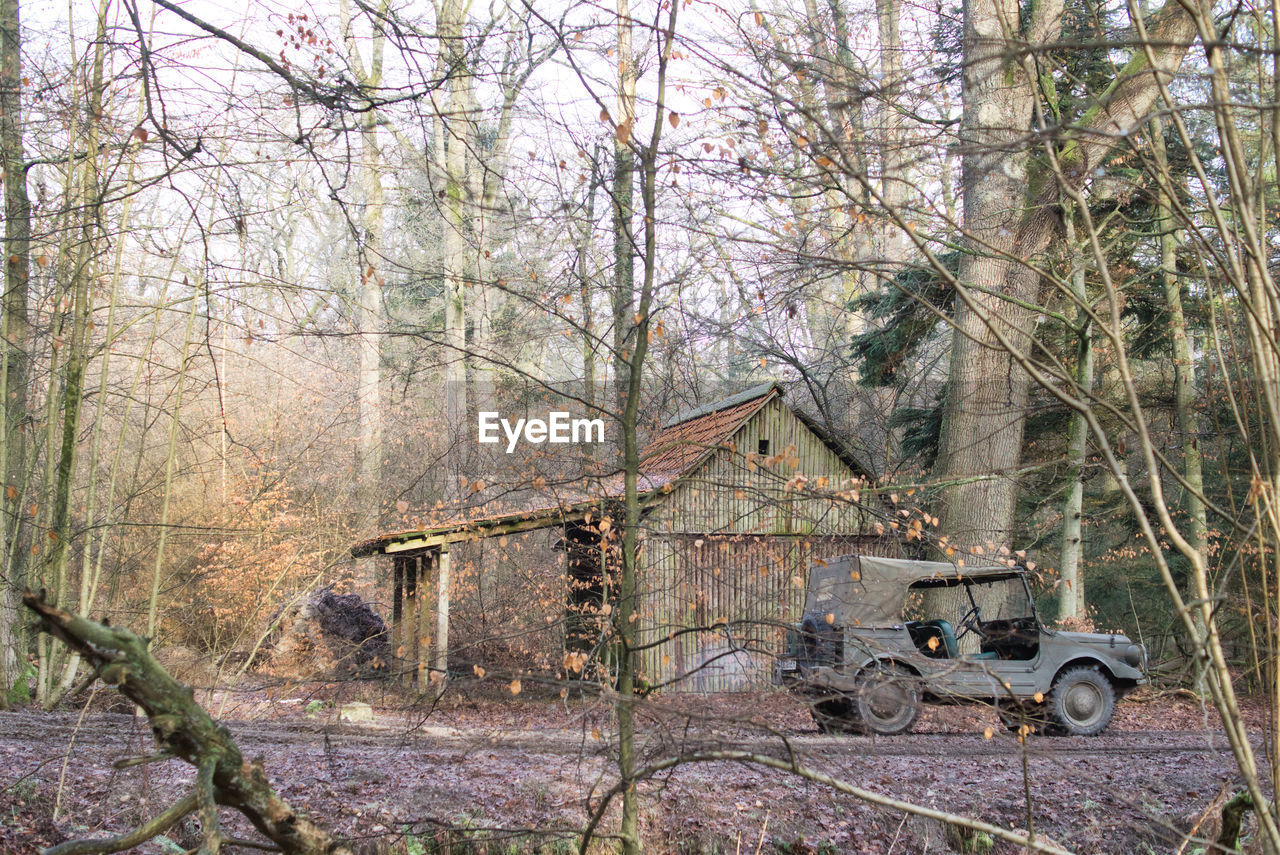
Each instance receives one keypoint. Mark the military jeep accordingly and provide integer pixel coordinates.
(880, 636)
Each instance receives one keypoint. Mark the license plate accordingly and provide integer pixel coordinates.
(786, 664)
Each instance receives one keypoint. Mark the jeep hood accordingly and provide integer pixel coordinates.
(1095, 638)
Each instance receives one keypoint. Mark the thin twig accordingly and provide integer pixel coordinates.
(66, 758)
(763, 828)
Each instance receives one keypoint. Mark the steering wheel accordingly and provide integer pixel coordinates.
(970, 623)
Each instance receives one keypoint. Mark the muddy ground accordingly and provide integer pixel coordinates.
(488, 771)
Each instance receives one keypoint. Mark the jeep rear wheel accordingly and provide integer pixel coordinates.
(1081, 703)
(834, 715)
(887, 701)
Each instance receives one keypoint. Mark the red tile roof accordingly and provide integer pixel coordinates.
(682, 445)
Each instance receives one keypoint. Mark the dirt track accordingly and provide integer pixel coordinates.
(1119, 792)
(104, 729)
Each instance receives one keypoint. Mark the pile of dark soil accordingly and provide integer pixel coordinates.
(328, 634)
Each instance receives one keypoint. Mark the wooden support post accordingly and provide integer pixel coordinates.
(440, 661)
(397, 612)
(410, 625)
(426, 567)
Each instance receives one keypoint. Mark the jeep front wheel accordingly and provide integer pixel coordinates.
(1081, 703)
(887, 701)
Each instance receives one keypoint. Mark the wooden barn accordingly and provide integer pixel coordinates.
(739, 498)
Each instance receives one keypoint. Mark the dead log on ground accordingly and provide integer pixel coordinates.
(184, 729)
(1232, 819)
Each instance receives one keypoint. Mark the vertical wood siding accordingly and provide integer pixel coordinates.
(738, 593)
(730, 548)
(739, 490)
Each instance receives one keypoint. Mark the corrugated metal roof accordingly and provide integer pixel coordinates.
(725, 403)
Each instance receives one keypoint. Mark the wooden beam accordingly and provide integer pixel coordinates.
(397, 613)
(440, 661)
(426, 570)
(437, 538)
(405, 545)
(410, 626)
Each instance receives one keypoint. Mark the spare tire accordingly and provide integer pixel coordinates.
(819, 644)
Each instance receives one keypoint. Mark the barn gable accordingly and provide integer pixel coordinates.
(754, 492)
(757, 468)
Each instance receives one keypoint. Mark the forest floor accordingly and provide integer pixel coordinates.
(488, 771)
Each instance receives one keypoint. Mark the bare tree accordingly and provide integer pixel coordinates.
(16, 338)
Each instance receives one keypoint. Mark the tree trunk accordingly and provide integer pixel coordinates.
(1010, 217)
(630, 341)
(893, 185)
(14, 341)
(624, 208)
(590, 343)
(89, 212)
(1071, 592)
(369, 326)
(370, 322)
(1184, 368)
(457, 143)
(987, 392)
(170, 467)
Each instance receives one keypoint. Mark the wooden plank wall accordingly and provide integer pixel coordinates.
(749, 589)
(733, 544)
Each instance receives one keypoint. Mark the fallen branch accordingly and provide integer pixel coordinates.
(130, 762)
(1152, 695)
(184, 729)
(1027, 842)
(1214, 805)
(1232, 818)
(129, 839)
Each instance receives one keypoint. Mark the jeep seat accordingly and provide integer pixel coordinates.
(948, 636)
(951, 645)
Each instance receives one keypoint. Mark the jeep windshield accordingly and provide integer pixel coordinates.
(1000, 598)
